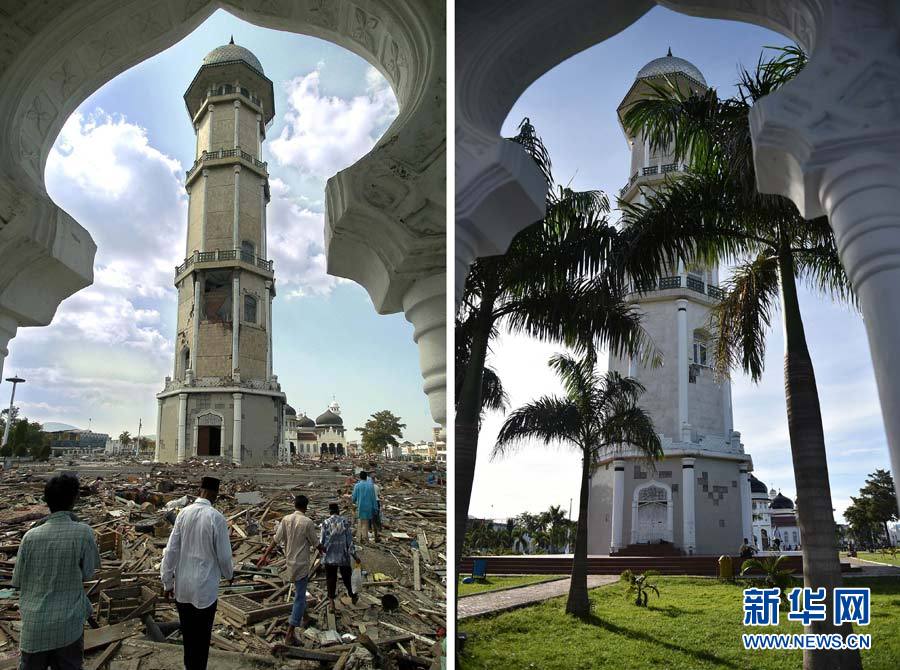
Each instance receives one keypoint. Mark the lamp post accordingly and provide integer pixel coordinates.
(12, 398)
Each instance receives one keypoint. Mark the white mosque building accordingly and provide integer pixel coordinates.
(774, 518)
(697, 499)
(323, 436)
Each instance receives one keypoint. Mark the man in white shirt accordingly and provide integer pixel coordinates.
(196, 557)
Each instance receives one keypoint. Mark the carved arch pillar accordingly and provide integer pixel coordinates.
(829, 140)
(71, 48)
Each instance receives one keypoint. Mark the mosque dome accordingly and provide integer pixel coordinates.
(781, 502)
(305, 422)
(231, 52)
(290, 411)
(329, 418)
(670, 64)
(757, 486)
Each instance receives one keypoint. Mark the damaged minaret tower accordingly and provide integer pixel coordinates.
(223, 400)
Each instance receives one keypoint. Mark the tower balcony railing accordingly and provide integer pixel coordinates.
(665, 283)
(650, 171)
(229, 89)
(223, 255)
(225, 153)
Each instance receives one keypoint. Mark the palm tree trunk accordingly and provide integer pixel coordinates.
(578, 603)
(821, 561)
(468, 413)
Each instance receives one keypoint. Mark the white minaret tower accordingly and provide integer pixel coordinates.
(698, 498)
(223, 399)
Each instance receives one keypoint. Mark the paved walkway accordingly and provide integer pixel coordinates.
(500, 601)
(871, 569)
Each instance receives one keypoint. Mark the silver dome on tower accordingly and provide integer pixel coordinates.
(670, 64)
(231, 52)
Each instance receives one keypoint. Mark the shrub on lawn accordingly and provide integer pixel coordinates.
(639, 587)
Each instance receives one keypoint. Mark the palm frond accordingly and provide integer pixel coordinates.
(577, 376)
(696, 218)
(548, 419)
(743, 318)
(581, 313)
(628, 424)
(528, 138)
(493, 395)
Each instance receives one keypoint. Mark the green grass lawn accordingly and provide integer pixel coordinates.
(493, 583)
(877, 557)
(695, 625)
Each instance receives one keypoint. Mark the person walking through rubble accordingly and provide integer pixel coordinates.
(365, 498)
(196, 557)
(337, 542)
(53, 561)
(298, 534)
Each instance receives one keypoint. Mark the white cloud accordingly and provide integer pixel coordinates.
(296, 243)
(324, 134)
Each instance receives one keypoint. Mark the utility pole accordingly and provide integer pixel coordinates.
(12, 398)
(138, 448)
(570, 509)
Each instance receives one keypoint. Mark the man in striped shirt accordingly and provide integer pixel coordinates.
(53, 561)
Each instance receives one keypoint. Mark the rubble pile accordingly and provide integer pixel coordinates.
(398, 621)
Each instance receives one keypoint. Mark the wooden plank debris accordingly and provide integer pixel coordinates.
(132, 507)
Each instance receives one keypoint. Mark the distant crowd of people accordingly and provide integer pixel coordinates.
(60, 553)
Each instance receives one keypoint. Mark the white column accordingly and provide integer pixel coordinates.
(259, 137)
(8, 327)
(159, 404)
(187, 238)
(861, 196)
(618, 506)
(195, 337)
(236, 224)
(682, 367)
(424, 306)
(235, 322)
(204, 210)
(746, 505)
(726, 406)
(267, 300)
(237, 114)
(236, 437)
(689, 542)
(182, 422)
(209, 144)
(262, 220)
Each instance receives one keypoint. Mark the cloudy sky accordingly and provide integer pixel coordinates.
(573, 107)
(118, 168)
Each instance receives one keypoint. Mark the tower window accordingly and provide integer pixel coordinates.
(217, 297)
(249, 309)
(248, 251)
(700, 355)
(701, 348)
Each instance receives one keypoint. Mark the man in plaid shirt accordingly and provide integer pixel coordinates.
(53, 561)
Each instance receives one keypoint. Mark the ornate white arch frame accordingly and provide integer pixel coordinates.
(829, 141)
(385, 220)
(670, 509)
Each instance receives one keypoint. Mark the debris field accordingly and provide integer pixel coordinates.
(398, 621)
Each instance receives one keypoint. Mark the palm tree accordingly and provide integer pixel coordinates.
(551, 284)
(125, 438)
(596, 416)
(714, 213)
